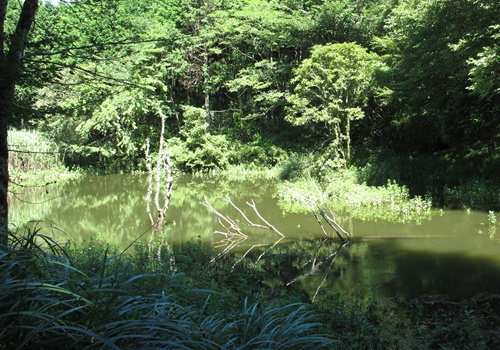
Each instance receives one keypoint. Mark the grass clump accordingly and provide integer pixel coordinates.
(92, 297)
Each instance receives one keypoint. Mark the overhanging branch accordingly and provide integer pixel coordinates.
(95, 74)
(98, 45)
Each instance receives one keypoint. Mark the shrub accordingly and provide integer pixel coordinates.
(294, 167)
(32, 151)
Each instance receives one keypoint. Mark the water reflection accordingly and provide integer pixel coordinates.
(453, 253)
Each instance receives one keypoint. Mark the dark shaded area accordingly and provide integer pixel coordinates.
(421, 273)
(380, 269)
(449, 322)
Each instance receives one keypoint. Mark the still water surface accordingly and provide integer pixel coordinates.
(454, 252)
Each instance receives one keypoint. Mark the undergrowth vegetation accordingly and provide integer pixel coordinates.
(342, 192)
(62, 296)
(32, 151)
(34, 158)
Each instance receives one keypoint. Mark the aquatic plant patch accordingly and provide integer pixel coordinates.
(342, 193)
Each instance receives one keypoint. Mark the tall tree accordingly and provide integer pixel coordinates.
(11, 66)
(333, 86)
(120, 60)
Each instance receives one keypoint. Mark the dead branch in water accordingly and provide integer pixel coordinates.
(333, 224)
(243, 214)
(234, 229)
(329, 220)
(234, 234)
(269, 226)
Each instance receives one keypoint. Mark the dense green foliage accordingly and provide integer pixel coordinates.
(332, 88)
(405, 91)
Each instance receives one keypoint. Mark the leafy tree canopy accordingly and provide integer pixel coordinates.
(333, 86)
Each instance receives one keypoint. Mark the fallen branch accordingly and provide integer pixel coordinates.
(243, 214)
(312, 206)
(269, 226)
(232, 225)
(234, 234)
(333, 224)
(222, 218)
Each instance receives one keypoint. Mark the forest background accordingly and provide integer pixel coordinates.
(398, 90)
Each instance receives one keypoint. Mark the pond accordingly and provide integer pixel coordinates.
(453, 252)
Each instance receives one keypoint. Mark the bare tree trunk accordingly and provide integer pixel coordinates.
(10, 70)
(3, 13)
(163, 166)
(348, 143)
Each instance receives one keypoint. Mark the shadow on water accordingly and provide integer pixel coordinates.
(418, 273)
(375, 269)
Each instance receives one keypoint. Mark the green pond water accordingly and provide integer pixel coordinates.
(452, 252)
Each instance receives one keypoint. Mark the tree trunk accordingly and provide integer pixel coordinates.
(3, 13)
(4, 167)
(10, 71)
(208, 112)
